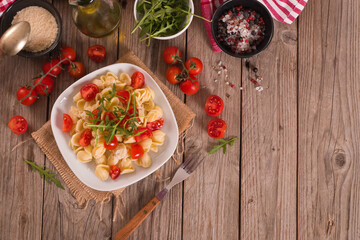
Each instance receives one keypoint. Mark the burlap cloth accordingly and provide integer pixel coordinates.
(45, 139)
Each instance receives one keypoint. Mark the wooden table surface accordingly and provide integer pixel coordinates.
(293, 173)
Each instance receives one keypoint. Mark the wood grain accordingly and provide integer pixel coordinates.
(329, 182)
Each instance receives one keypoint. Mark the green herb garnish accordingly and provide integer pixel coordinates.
(223, 144)
(49, 177)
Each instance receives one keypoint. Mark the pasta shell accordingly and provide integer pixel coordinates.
(102, 171)
(99, 150)
(84, 156)
(101, 160)
(74, 141)
(125, 166)
(146, 144)
(145, 161)
(125, 78)
(158, 137)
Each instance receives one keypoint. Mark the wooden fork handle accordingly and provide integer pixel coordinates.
(130, 227)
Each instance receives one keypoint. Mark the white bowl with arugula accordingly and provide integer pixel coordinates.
(163, 19)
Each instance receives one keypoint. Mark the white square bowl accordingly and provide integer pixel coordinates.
(86, 171)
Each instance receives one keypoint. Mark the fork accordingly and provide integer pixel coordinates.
(184, 171)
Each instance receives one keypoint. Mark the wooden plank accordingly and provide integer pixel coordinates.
(329, 121)
(269, 132)
(211, 194)
(165, 222)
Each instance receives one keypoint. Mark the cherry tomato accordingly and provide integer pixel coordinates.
(96, 116)
(216, 128)
(171, 54)
(190, 87)
(45, 87)
(156, 125)
(172, 73)
(136, 151)
(109, 116)
(89, 91)
(112, 145)
(123, 96)
(67, 123)
(194, 66)
(114, 171)
(76, 71)
(48, 65)
(85, 138)
(137, 80)
(69, 53)
(97, 53)
(18, 125)
(214, 106)
(145, 135)
(22, 92)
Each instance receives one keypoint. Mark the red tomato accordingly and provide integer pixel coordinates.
(97, 53)
(136, 151)
(18, 125)
(45, 87)
(109, 116)
(23, 92)
(67, 123)
(171, 54)
(85, 138)
(214, 106)
(190, 87)
(137, 80)
(216, 128)
(156, 125)
(194, 66)
(76, 71)
(123, 96)
(112, 145)
(145, 135)
(172, 73)
(96, 116)
(114, 171)
(67, 53)
(89, 91)
(48, 65)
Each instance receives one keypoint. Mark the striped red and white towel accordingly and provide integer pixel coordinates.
(4, 4)
(285, 11)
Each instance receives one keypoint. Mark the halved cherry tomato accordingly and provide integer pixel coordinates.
(114, 171)
(67, 123)
(76, 71)
(85, 138)
(142, 136)
(190, 87)
(137, 80)
(136, 151)
(109, 116)
(45, 87)
(89, 91)
(171, 54)
(123, 96)
(214, 106)
(194, 66)
(97, 53)
(112, 145)
(18, 125)
(21, 94)
(156, 125)
(172, 73)
(216, 128)
(69, 53)
(48, 65)
(96, 116)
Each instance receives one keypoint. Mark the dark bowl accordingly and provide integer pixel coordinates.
(18, 5)
(249, 4)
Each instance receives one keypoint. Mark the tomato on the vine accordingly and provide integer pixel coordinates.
(137, 80)
(216, 128)
(194, 66)
(123, 96)
(69, 53)
(172, 73)
(112, 145)
(48, 65)
(45, 87)
(136, 151)
(145, 133)
(18, 125)
(171, 54)
(85, 138)
(155, 125)
(114, 171)
(23, 92)
(214, 106)
(89, 91)
(76, 71)
(67, 123)
(190, 86)
(97, 53)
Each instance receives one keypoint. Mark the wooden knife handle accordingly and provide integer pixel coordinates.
(130, 227)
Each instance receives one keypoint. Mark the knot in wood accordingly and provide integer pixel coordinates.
(289, 37)
(340, 159)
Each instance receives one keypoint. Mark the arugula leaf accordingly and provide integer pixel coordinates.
(223, 144)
